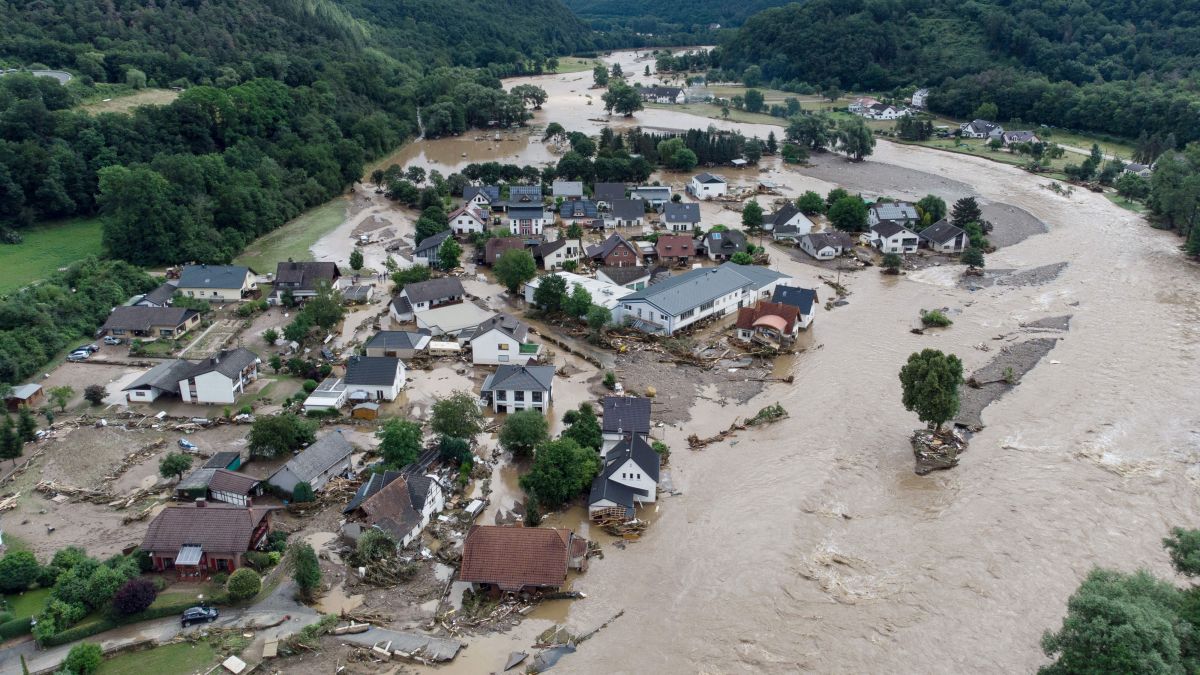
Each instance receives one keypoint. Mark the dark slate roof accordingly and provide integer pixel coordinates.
(371, 370)
(418, 490)
(222, 459)
(165, 375)
(162, 294)
(505, 323)
(318, 457)
(709, 178)
(397, 339)
(894, 211)
(390, 508)
(691, 289)
(629, 209)
(373, 484)
(491, 192)
(145, 318)
(520, 378)
(602, 249)
(800, 298)
(781, 216)
(306, 274)
(524, 195)
(212, 276)
(888, 228)
(725, 243)
(608, 192)
(941, 232)
(820, 240)
(626, 414)
(544, 249)
(228, 362)
(579, 208)
(217, 528)
(624, 275)
(611, 490)
(434, 289)
(679, 212)
(526, 212)
(652, 188)
(639, 450)
(432, 243)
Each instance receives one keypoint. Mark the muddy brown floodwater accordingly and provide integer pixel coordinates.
(810, 545)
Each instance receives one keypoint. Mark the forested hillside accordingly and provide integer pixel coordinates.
(284, 101)
(1117, 66)
(658, 16)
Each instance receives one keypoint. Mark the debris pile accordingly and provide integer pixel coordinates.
(937, 451)
(769, 414)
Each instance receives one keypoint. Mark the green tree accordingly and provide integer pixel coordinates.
(973, 258)
(683, 160)
(18, 570)
(574, 231)
(810, 203)
(598, 316)
(274, 435)
(135, 78)
(523, 431)
(302, 493)
(26, 424)
(550, 293)
(85, 658)
(324, 309)
(577, 304)
(306, 569)
(243, 584)
(986, 111)
(448, 254)
(276, 362)
(849, 214)
(11, 444)
(600, 75)
(754, 100)
(809, 131)
(561, 470)
(457, 416)
(514, 267)
(1184, 549)
(930, 380)
(174, 464)
(583, 427)
(892, 262)
(356, 260)
(554, 130)
(622, 98)
(932, 206)
(741, 258)
(753, 151)
(966, 210)
(399, 442)
(752, 216)
(410, 275)
(855, 139)
(95, 393)
(61, 396)
(1132, 186)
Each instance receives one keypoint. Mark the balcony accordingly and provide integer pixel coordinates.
(529, 349)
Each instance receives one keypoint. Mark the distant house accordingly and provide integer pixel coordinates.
(900, 212)
(467, 219)
(1017, 137)
(633, 278)
(859, 105)
(920, 98)
(451, 320)
(483, 197)
(981, 129)
(552, 255)
(527, 219)
(403, 344)
(627, 213)
(513, 388)
(656, 195)
(615, 251)
(787, 223)
(883, 111)
(722, 245)
(675, 249)
(524, 195)
(803, 299)
(623, 417)
(678, 302)
(425, 295)
(303, 279)
(773, 324)
(150, 323)
(707, 186)
(674, 95)
(316, 464)
(892, 237)
(629, 478)
(1139, 169)
(30, 395)
(566, 190)
(503, 559)
(217, 283)
(496, 246)
(680, 217)
(607, 193)
(159, 297)
(578, 210)
(374, 378)
(944, 237)
(503, 339)
(604, 293)
(221, 378)
(825, 245)
(200, 540)
(428, 250)
(395, 502)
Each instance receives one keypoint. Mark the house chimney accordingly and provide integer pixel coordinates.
(201, 502)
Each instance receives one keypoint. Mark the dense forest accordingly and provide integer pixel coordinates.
(1121, 67)
(665, 22)
(283, 102)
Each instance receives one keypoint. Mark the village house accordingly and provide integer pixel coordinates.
(483, 197)
(150, 323)
(217, 283)
(981, 129)
(330, 394)
(825, 245)
(943, 237)
(524, 195)
(221, 378)
(629, 478)
(553, 255)
(303, 279)
(578, 211)
(626, 213)
(892, 237)
(528, 219)
(374, 378)
(655, 195)
(903, 213)
(503, 339)
(503, 559)
(161, 380)
(358, 294)
(803, 299)
(220, 485)
(607, 193)
(1011, 138)
(882, 111)
(403, 344)
(467, 219)
(787, 223)
(633, 278)
(623, 417)
(675, 249)
(720, 246)
(496, 246)
(707, 186)
(159, 297)
(680, 217)
(203, 539)
(566, 190)
(663, 95)
(24, 395)
(604, 293)
(451, 320)
(859, 105)
(424, 296)
(920, 98)
(329, 456)
(428, 250)
(512, 388)
(615, 251)
(680, 301)
(1139, 169)
(772, 324)
(395, 502)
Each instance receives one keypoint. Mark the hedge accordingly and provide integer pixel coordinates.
(15, 627)
(105, 624)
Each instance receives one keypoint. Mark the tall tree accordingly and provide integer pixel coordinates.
(523, 431)
(399, 442)
(855, 139)
(966, 210)
(930, 380)
(513, 268)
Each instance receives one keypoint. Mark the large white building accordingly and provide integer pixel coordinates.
(603, 293)
(678, 302)
(707, 186)
(220, 378)
(515, 388)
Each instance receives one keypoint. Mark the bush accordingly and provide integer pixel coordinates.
(135, 596)
(16, 627)
(277, 541)
(274, 557)
(244, 584)
(259, 560)
(303, 492)
(934, 318)
(610, 379)
(95, 393)
(310, 386)
(306, 570)
(220, 578)
(18, 571)
(84, 658)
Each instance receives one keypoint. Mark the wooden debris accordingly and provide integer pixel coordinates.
(769, 414)
(9, 502)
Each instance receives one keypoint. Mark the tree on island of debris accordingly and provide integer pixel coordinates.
(622, 98)
(356, 260)
(972, 258)
(600, 75)
(966, 210)
(457, 416)
(855, 139)
(523, 431)
(892, 262)
(930, 381)
(95, 393)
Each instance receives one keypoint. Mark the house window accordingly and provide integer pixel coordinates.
(688, 314)
(519, 396)
(502, 396)
(707, 305)
(503, 347)
(222, 564)
(537, 396)
(502, 358)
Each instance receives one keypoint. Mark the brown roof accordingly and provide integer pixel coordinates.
(671, 246)
(515, 557)
(225, 480)
(216, 528)
(748, 316)
(305, 274)
(391, 509)
(497, 245)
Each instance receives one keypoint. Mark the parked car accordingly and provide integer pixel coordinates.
(188, 445)
(199, 615)
(78, 356)
(112, 340)
(88, 348)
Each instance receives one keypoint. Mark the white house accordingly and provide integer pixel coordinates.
(656, 195)
(892, 237)
(374, 378)
(707, 186)
(944, 237)
(626, 213)
(660, 94)
(629, 479)
(554, 254)
(527, 220)
(329, 456)
(883, 111)
(680, 217)
(398, 502)
(1011, 138)
(904, 213)
(680, 301)
(825, 245)
(425, 295)
(512, 388)
(220, 378)
(803, 299)
(604, 293)
(920, 98)
(467, 219)
(633, 278)
(217, 283)
(161, 380)
(858, 105)
(427, 250)
(788, 222)
(451, 320)
(329, 395)
(981, 129)
(502, 339)
(483, 197)
(623, 417)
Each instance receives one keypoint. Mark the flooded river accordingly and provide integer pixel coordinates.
(810, 545)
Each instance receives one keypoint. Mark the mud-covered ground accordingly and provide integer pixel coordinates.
(1001, 375)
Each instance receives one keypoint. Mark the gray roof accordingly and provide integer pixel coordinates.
(608, 192)
(418, 490)
(145, 318)
(165, 375)
(520, 378)
(24, 391)
(213, 276)
(628, 209)
(819, 240)
(357, 293)
(228, 362)
(222, 460)
(505, 323)
(800, 298)
(525, 211)
(318, 457)
(546, 248)
(651, 188)
(491, 192)
(196, 480)
(524, 194)
(434, 289)
(784, 214)
(1019, 136)
(305, 275)
(691, 289)
(578, 208)
(940, 232)
(626, 414)
(161, 295)
(679, 212)
(709, 178)
(373, 484)
(429, 244)
(604, 489)
(624, 275)
(725, 243)
(567, 188)
(397, 339)
(639, 450)
(895, 211)
(371, 370)
(981, 126)
(888, 228)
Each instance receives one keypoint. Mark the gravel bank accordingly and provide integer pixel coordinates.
(1012, 224)
(678, 386)
(1020, 357)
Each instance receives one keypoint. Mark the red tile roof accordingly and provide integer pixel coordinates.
(217, 528)
(748, 316)
(672, 246)
(516, 557)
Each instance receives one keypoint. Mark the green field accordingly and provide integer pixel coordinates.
(1136, 207)
(27, 603)
(294, 238)
(47, 248)
(571, 64)
(181, 657)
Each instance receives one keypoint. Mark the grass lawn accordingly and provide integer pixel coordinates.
(1136, 207)
(45, 249)
(179, 594)
(571, 64)
(124, 100)
(294, 238)
(27, 603)
(177, 658)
